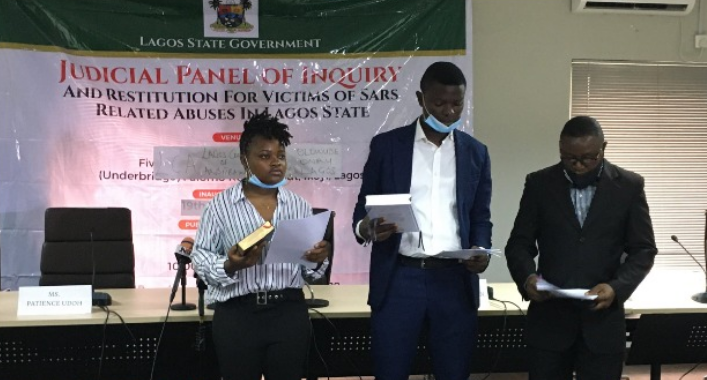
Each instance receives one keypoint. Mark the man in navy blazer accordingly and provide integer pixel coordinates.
(447, 173)
(587, 222)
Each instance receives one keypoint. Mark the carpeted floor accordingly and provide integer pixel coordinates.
(639, 372)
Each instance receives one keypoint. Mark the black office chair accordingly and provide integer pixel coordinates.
(328, 236)
(88, 246)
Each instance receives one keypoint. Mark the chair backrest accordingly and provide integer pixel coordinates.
(328, 236)
(88, 246)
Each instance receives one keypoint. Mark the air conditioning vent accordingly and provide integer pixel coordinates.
(646, 7)
(637, 6)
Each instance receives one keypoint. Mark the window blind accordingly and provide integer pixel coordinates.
(654, 117)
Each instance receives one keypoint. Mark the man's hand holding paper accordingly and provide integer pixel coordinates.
(531, 288)
(581, 294)
(467, 254)
(604, 294)
(477, 263)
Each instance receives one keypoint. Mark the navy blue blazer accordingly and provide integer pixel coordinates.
(388, 170)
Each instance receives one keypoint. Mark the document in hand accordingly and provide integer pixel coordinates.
(466, 254)
(395, 208)
(261, 233)
(564, 293)
(296, 236)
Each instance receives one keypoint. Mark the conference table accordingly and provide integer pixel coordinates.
(666, 326)
(138, 338)
(100, 346)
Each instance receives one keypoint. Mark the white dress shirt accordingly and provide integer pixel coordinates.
(433, 191)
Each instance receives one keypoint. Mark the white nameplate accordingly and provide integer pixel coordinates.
(54, 300)
(483, 293)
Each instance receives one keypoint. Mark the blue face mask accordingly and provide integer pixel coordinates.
(438, 125)
(253, 180)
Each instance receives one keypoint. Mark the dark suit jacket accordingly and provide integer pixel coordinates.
(388, 170)
(615, 246)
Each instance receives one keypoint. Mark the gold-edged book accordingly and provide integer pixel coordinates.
(261, 233)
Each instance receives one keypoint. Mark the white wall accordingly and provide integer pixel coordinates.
(522, 52)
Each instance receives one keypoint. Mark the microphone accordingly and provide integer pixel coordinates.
(314, 302)
(702, 296)
(182, 253)
(489, 290)
(97, 298)
(183, 250)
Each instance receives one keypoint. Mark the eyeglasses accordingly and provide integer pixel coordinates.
(586, 161)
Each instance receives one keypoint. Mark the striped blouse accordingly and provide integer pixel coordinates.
(226, 220)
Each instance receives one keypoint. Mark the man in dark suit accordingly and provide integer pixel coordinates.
(447, 173)
(587, 221)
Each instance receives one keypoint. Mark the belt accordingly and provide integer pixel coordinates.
(427, 262)
(269, 297)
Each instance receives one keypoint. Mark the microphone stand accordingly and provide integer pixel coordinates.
(700, 297)
(99, 299)
(200, 343)
(314, 302)
(181, 275)
(201, 286)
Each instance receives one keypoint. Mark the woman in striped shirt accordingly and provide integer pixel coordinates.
(261, 325)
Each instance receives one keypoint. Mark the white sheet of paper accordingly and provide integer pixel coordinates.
(466, 254)
(564, 293)
(294, 237)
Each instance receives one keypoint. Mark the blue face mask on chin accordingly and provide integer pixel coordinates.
(438, 125)
(253, 180)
